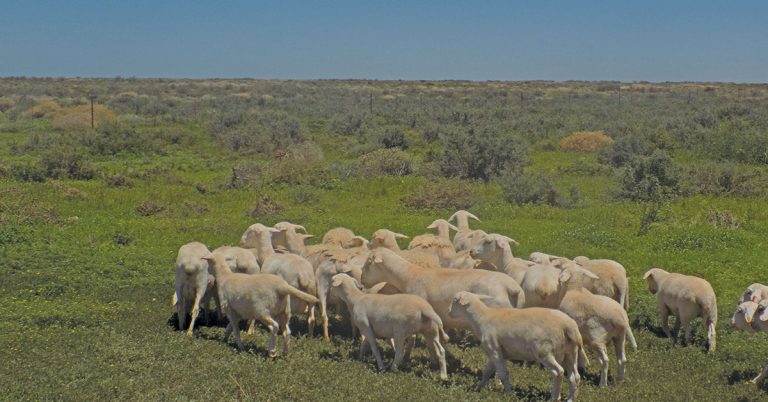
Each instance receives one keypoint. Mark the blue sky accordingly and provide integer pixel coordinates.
(649, 40)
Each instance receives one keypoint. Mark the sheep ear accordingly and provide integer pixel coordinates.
(469, 214)
(207, 257)
(357, 241)
(273, 230)
(589, 274)
(462, 299)
(377, 287)
(307, 236)
(336, 281)
(647, 274)
(512, 241)
(401, 236)
(299, 227)
(377, 260)
(453, 227)
(432, 225)
(453, 216)
(564, 276)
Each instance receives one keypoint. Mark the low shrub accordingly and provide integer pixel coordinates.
(621, 151)
(482, 154)
(385, 162)
(650, 178)
(28, 171)
(66, 164)
(150, 208)
(442, 193)
(118, 180)
(722, 219)
(79, 117)
(585, 141)
(535, 188)
(44, 108)
(725, 179)
(265, 206)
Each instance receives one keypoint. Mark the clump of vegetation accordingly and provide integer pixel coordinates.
(46, 107)
(712, 178)
(482, 154)
(521, 188)
(79, 117)
(385, 162)
(150, 208)
(722, 219)
(624, 150)
(585, 141)
(650, 178)
(442, 194)
(253, 131)
(265, 207)
(119, 180)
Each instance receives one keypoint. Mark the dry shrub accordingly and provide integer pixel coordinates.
(442, 194)
(80, 116)
(387, 162)
(265, 207)
(722, 219)
(585, 141)
(6, 103)
(68, 192)
(45, 107)
(149, 208)
(118, 180)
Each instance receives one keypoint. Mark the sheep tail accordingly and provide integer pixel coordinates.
(574, 337)
(431, 315)
(516, 298)
(631, 337)
(292, 291)
(174, 299)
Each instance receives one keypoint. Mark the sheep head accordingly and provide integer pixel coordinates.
(652, 277)
(255, 233)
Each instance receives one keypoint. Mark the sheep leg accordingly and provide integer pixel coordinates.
(602, 357)
(217, 302)
(557, 375)
(410, 342)
(251, 327)
(286, 335)
(311, 320)
(181, 313)
(274, 327)
(234, 321)
(195, 310)
(399, 351)
(369, 336)
(488, 371)
(438, 353)
(676, 329)
(324, 314)
(664, 317)
(761, 377)
(228, 331)
(501, 372)
(688, 332)
(573, 374)
(621, 356)
(363, 346)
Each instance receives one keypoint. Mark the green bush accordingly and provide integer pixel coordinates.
(530, 188)
(257, 132)
(623, 150)
(710, 178)
(28, 172)
(66, 164)
(482, 154)
(650, 178)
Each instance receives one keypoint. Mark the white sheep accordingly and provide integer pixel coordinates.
(464, 237)
(442, 228)
(262, 297)
(240, 259)
(338, 236)
(755, 293)
(281, 241)
(685, 297)
(752, 317)
(398, 317)
(192, 282)
(438, 286)
(388, 239)
(601, 320)
(612, 280)
(336, 262)
(294, 269)
(542, 258)
(496, 249)
(531, 334)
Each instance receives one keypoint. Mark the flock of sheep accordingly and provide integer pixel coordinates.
(546, 309)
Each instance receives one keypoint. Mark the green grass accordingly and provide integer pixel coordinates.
(86, 281)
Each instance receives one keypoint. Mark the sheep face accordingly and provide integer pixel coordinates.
(459, 304)
(256, 233)
(752, 294)
(649, 276)
(373, 272)
(744, 315)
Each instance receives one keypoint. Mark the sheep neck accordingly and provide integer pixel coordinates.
(443, 232)
(462, 222)
(398, 273)
(264, 249)
(506, 259)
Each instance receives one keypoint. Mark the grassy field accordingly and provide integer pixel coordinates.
(87, 262)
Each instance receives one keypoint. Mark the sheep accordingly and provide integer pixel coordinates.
(601, 320)
(336, 262)
(751, 317)
(443, 250)
(464, 236)
(240, 259)
(388, 239)
(255, 297)
(495, 248)
(398, 317)
(755, 293)
(542, 258)
(532, 334)
(439, 286)
(541, 286)
(280, 239)
(294, 269)
(685, 297)
(192, 283)
(441, 228)
(612, 280)
(338, 236)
